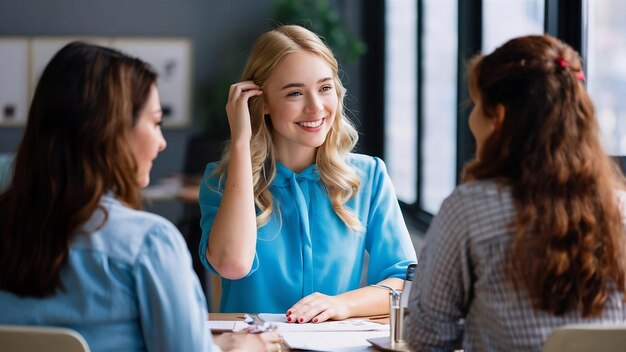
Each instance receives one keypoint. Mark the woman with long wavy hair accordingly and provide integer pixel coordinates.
(534, 238)
(289, 212)
(75, 250)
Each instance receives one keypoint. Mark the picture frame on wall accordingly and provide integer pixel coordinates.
(44, 48)
(171, 58)
(24, 59)
(14, 90)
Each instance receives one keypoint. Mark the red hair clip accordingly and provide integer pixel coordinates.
(562, 63)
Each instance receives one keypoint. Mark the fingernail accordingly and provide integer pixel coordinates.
(315, 320)
(301, 319)
(288, 318)
(288, 312)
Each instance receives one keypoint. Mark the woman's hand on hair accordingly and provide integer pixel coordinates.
(238, 111)
(317, 308)
(243, 341)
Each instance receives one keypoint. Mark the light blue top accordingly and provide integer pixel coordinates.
(6, 170)
(129, 286)
(313, 250)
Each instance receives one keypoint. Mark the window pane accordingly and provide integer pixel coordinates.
(506, 19)
(606, 72)
(439, 97)
(400, 96)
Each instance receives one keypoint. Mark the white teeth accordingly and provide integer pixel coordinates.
(312, 124)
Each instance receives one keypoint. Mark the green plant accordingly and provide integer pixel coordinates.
(320, 17)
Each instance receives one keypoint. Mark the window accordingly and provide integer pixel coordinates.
(606, 73)
(426, 44)
(504, 20)
(439, 102)
(400, 96)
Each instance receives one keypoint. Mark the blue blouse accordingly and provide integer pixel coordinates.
(129, 286)
(308, 248)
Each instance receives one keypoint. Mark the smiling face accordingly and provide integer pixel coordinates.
(301, 99)
(146, 138)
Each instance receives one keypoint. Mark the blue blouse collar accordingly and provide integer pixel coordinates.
(284, 174)
(109, 197)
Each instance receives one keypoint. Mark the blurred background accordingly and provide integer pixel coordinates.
(219, 34)
(402, 61)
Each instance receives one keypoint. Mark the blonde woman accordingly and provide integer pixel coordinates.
(289, 212)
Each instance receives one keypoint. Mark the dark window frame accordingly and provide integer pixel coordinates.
(564, 19)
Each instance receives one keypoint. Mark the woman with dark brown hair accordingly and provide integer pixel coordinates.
(75, 250)
(534, 237)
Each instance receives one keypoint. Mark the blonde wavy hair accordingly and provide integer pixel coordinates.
(339, 179)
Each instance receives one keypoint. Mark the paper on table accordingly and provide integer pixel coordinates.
(344, 325)
(331, 340)
(273, 317)
(226, 325)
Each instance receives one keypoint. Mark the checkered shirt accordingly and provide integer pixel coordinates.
(461, 294)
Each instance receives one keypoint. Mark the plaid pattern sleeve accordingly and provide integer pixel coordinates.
(462, 295)
(442, 282)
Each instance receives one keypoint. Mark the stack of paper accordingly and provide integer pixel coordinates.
(331, 340)
(345, 335)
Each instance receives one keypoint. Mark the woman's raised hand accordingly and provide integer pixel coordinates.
(238, 111)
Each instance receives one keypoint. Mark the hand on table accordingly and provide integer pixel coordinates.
(317, 308)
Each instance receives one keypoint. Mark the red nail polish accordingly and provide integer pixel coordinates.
(288, 313)
(315, 320)
(301, 319)
(289, 319)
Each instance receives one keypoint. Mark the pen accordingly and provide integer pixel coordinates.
(248, 319)
(256, 328)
